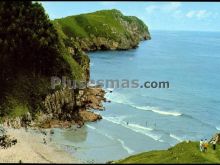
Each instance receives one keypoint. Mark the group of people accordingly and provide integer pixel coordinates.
(204, 145)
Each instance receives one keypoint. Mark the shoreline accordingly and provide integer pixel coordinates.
(31, 149)
(30, 146)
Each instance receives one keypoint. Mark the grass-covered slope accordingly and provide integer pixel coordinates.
(181, 153)
(105, 29)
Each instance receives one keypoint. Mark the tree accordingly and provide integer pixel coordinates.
(30, 51)
(28, 40)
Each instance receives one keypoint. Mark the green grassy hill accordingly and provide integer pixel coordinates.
(181, 153)
(105, 29)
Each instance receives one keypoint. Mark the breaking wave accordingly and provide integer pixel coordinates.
(100, 132)
(130, 151)
(121, 99)
(176, 137)
(156, 110)
(134, 127)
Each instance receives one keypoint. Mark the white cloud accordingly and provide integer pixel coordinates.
(203, 13)
(173, 6)
(150, 9)
(199, 14)
(170, 7)
(190, 14)
(174, 9)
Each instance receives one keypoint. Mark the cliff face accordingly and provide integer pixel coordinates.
(103, 30)
(63, 108)
(71, 106)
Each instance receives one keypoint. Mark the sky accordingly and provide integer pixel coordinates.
(187, 16)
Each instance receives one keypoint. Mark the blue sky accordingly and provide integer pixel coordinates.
(192, 16)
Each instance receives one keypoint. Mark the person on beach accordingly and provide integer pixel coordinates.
(45, 142)
(213, 144)
(201, 143)
(206, 145)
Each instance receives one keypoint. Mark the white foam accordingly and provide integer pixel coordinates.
(122, 99)
(140, 127)
(117, 98)
(90, 84)
(218, 128)
(156, 110)
(134, 127)
(117, 120)
(110, 89)
(176, 137)
(91, 127)
(141, 131)
(108, 136)
(100, 132)
(130, 151)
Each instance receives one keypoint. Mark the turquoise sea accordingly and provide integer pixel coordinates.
(139, 120)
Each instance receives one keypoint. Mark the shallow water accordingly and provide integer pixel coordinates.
(142, 119)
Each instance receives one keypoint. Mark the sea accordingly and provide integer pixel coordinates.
(144, 119)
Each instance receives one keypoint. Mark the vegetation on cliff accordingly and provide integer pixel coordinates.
(184, 152)
(34, 48)
(31, 52)
(104, 29)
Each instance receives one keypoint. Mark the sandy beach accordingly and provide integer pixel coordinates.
(31, 149)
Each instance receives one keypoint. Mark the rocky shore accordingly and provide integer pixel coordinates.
(64, 109)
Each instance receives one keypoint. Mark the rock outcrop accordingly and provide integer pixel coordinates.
(18, 122)
(67, 106)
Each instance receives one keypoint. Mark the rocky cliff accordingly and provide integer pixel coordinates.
(63, 108)
(55, 48)
(103, 30)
